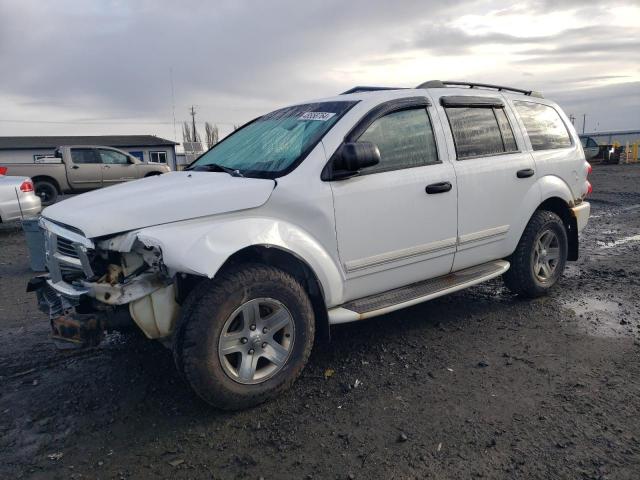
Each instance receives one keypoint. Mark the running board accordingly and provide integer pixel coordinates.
(402, 297)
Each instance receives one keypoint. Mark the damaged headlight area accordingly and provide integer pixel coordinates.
(91, 288)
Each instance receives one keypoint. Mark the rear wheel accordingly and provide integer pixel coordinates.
(245, 336)
(47, 192)
(540, 256)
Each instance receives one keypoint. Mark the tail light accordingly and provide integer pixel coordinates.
(587, 182)
(26, 186)
(3, 170)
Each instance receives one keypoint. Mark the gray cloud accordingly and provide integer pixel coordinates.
(109, 61)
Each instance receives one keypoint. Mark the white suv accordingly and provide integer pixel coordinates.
(325, 212)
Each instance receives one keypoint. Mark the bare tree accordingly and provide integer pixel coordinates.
(212, 134)
(186, 133)
(191, 138)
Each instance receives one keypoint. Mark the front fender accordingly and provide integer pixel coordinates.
(202, 249)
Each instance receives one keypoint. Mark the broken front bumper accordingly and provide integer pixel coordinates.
(68, 327)
(146, 300)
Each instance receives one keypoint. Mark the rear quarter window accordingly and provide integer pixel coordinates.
(545, 128)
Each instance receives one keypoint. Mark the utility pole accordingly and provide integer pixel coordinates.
(584, 121)
(193, 122)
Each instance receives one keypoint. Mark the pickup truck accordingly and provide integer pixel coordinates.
(75, 169)
(320, 213)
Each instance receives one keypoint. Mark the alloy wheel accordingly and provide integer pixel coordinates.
(256, 341)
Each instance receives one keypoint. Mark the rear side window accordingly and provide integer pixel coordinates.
(405, 139)
(480, 131)
(84, 155)
(544, 126)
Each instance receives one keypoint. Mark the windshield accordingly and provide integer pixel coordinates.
(274, 144)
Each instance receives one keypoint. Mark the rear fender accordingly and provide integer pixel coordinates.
(548, 187)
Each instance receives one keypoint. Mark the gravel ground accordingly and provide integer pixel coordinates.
(475, 384)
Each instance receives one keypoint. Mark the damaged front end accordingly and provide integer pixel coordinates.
(91, 289)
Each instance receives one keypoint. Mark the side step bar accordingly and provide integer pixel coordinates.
(415, 293)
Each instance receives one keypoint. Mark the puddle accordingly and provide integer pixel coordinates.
(617, 243)
(600, 318)
(589, 305)
(616, 211)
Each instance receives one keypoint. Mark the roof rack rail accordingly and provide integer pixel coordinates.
(441, 84)
(369, 89)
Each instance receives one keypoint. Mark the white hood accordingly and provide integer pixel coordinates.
(159, 199)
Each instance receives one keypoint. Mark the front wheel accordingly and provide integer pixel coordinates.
(244, 337)
(540, 257)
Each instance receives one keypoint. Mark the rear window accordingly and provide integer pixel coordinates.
(544, 126)
(480, 131)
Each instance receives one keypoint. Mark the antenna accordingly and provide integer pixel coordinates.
(173, 105)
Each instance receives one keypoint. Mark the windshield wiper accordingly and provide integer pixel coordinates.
(214, 167)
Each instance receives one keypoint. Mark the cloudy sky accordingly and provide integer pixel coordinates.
(98, 67)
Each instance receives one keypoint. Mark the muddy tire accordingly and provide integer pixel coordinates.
(47, 191)
(244, 337)
(540, 256)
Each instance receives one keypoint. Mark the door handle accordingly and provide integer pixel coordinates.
(438, 187)
(526, 173)
(75, 167)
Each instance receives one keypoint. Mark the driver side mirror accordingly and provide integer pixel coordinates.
(353, 157)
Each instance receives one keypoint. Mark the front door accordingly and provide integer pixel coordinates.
(396, 221)
(116, 167)
(85, 170)
(496, 177)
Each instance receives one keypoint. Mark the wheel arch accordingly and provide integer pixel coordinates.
(295, 266)
(561, 208)
(46, 178)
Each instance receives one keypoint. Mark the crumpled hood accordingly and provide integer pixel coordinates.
(159, 199)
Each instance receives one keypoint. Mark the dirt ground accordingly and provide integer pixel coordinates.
(476, 384)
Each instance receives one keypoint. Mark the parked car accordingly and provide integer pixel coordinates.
(17, 198)
(77, 169)
(320, 213)
(590, 147)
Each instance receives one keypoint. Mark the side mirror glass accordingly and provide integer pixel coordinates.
(357, 155)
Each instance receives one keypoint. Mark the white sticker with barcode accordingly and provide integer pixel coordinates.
(320, 116)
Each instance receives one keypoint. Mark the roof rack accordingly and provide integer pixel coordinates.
(443, 84)
(369, 89)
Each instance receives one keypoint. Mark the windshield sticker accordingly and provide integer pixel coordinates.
(320, 116)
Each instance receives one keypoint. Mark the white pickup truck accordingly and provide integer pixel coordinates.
(320, 213)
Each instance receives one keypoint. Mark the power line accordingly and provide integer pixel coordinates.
(93, 122)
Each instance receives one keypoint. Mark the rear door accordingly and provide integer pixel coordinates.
(85, 170)
(495, 174)
(116, 167)
(396, 221)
